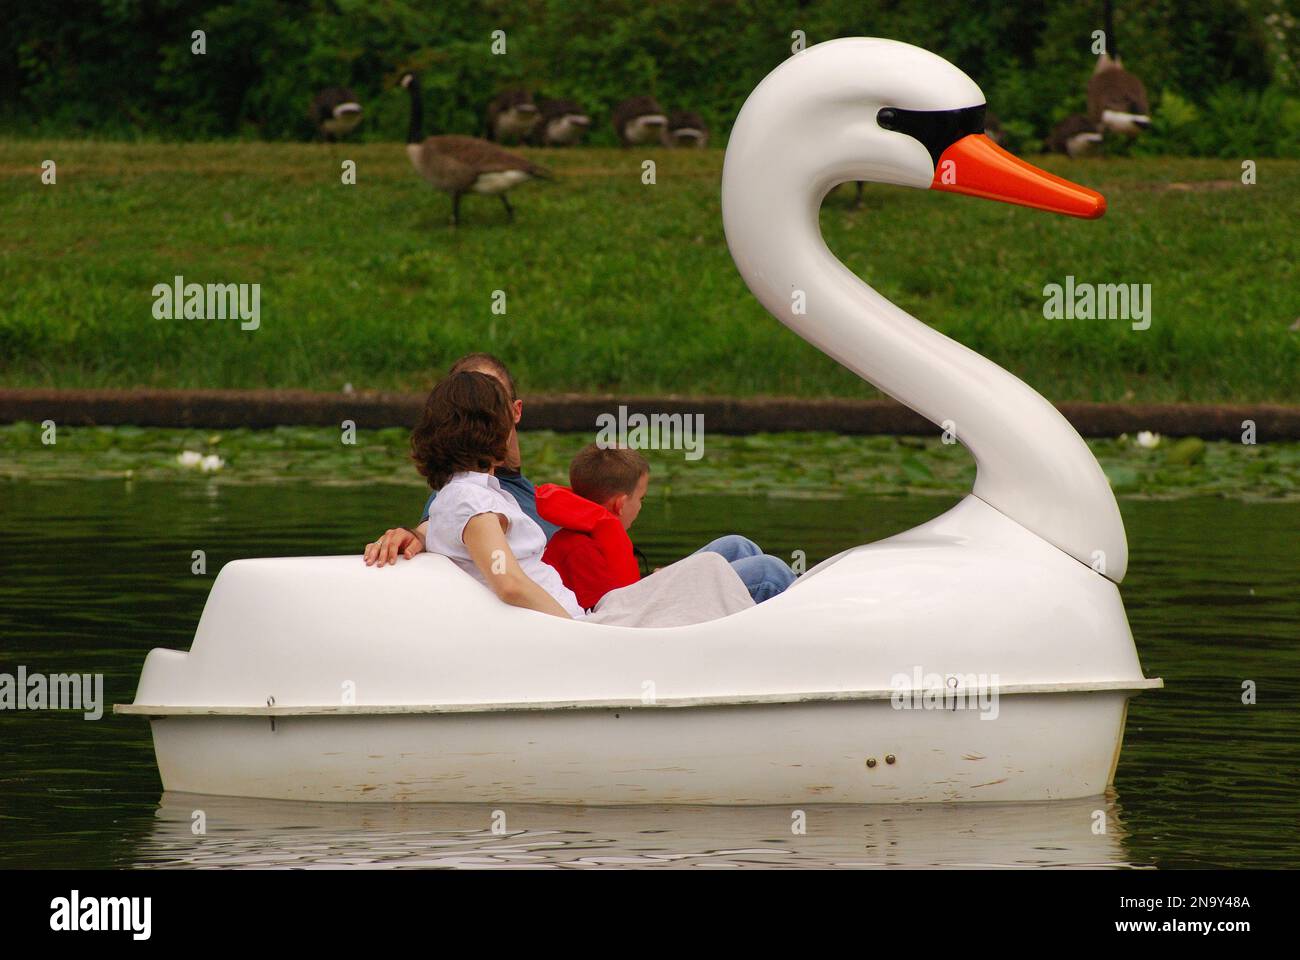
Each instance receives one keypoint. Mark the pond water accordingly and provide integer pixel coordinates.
(95, 573)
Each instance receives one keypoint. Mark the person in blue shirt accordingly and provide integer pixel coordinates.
(406, 541)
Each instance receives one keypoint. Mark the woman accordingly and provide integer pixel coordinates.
(407, 542)
(461, 439)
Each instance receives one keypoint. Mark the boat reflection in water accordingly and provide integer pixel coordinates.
(274, 833)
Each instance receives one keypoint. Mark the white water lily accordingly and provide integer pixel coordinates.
(189, 458)
(1148, 440)
(210, 463)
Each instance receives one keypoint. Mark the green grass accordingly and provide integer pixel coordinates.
(799, 465)
(613, 285)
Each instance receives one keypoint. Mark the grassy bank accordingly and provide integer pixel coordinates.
(776, 465)
(612, 284)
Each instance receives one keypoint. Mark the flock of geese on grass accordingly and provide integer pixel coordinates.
(457, 165)
(514, 117)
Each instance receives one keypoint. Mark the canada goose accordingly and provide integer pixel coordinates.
(1075, 136)
(685, 129)
(511, 116)
(335, 112)
(638, 120)
(563, 124)
(1117, 101)
(461, 165)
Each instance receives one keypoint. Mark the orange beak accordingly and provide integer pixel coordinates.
(978, 167)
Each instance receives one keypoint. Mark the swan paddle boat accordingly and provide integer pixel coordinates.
(982, 656)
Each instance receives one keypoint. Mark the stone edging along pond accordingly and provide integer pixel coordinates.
(226, 409)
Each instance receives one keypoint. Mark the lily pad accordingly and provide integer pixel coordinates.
(1188, 450)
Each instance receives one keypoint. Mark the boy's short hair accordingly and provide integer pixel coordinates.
(598, 473)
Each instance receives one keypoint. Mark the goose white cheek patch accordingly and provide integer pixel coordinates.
(643, 129)
(1120, 122)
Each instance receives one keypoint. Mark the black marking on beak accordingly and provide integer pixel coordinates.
(936, 130)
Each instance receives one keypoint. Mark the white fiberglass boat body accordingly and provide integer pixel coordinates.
(963, 660)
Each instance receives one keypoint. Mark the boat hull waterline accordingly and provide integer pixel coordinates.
(1041, 747)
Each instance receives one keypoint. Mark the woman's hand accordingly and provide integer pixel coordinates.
(488, 548)
(394, 543)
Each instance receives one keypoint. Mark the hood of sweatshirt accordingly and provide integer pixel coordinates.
(564, 508)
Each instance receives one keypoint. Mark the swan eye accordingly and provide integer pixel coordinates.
(936, 130)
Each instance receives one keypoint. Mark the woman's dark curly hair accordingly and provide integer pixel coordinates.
(466, 425)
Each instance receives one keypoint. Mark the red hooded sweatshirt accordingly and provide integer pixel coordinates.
(591, 551)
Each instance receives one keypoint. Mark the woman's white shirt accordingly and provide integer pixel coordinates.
(468, 494)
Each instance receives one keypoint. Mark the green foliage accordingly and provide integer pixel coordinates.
(124, 68)
(1232, 123)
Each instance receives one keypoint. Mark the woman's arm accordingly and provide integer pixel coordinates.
(486, 541)
(400, 541)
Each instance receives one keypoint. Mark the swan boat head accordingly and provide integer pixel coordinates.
(888, 112)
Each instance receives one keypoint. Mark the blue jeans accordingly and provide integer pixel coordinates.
(764, 575)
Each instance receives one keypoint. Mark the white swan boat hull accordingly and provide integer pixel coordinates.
(1041, 747)
(964, 660)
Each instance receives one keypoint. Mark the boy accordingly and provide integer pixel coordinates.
(592, 550)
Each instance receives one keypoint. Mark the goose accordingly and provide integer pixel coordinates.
(638, 121)
(460, 165)
(1117, 100)
(844, 689)
(685, 129)
(1075, 136)
(335, 112)
(511, 116)
(563, 124)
